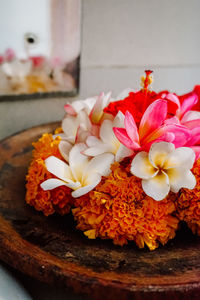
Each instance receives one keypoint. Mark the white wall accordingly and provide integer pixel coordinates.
(122, 38)
(141, 33)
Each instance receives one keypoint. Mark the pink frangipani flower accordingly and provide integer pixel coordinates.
(176, 107)
(151, 129)
(188, 118)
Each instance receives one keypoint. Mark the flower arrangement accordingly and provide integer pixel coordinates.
(127, 168)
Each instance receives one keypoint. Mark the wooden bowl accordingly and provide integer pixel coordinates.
(53, 251)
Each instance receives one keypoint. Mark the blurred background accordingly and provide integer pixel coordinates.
(119, 40)
(39, 47)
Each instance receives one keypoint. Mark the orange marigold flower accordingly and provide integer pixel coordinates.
(46, 146)
(57, 200)
(188, 203)
(118, 209)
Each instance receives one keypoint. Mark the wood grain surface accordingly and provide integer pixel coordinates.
(53, 251)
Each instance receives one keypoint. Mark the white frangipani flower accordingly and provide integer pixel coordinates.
(107, 141)
(71, 125)
(81, 174)
(76, 106)
(64, 148)
(83, 118)
(93, 106)
(163, 169)
(97, 114)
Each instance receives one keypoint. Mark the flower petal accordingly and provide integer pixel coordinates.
(119, 120)
(173, 102)
(83, 120)
(123, 152)
(166, 137)
(77, 160)
(181, 134)
(59, 168)
(89, 104)
(76, 106)
(95, 130)
(70, 126)
(131, 127)
(94, 151)
(190, 115)
(188, 103)
(106, 131)
(97, 110)
(159, 152)
(106, 99)
(51, 184)
(96, 178)
(99, 164)
(180, 178)
(180, 157)
(153, 117)
(70, 110)
(157, 187)
(93, 141)
(122, 136)
(173, 120)
(107, 141)
(64, 148)
(141, 166)
(108, 137)
(195, 137)
(192, 124)
(81, 135)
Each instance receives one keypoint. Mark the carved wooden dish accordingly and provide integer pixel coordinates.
(52, 250)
